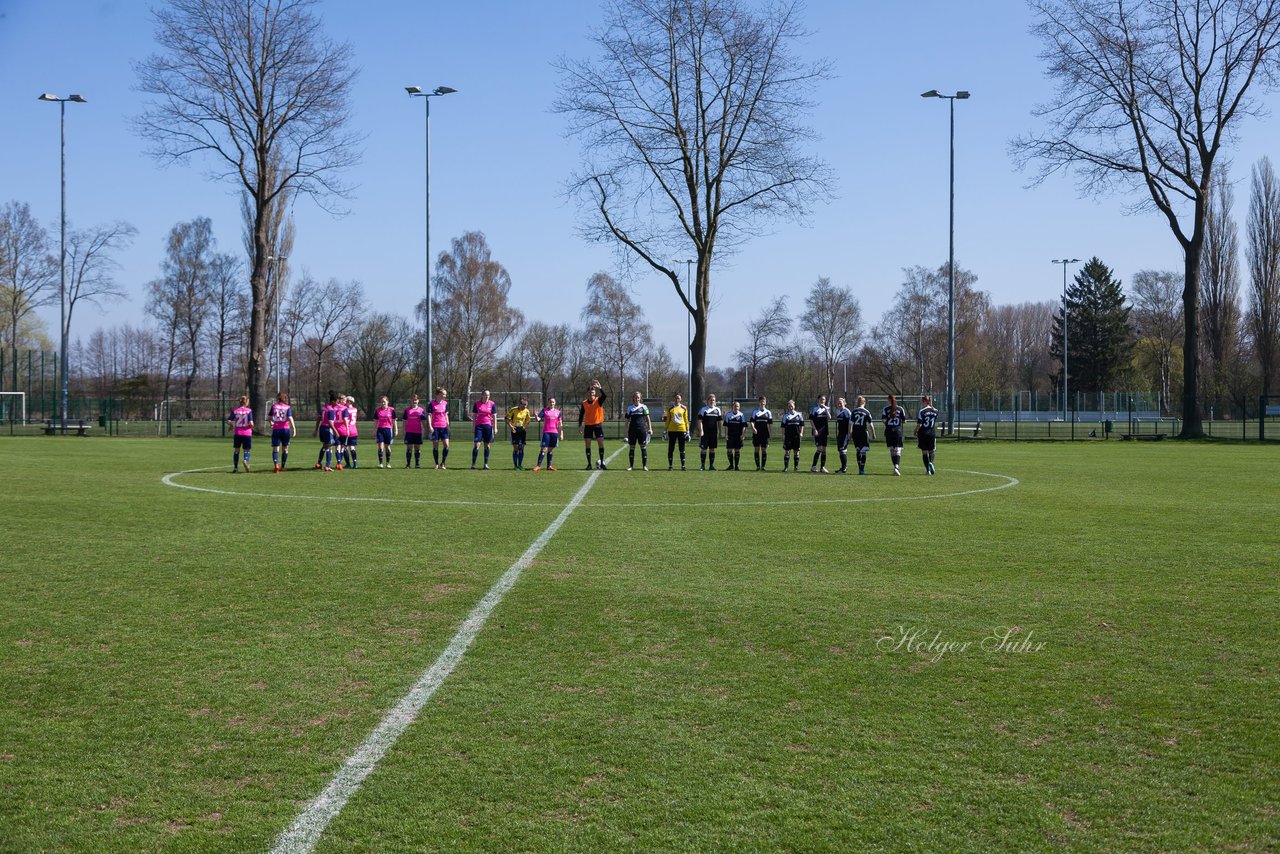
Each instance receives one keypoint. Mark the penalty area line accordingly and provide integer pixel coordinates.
(305, 832)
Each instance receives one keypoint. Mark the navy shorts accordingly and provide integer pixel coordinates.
(281, 437)
(518, 436)
(384, 436)
(238, 442)
(439, 434)
(893, 437)
(484, 433)
(351, 441)
(339, 439)
(593, 431)
(326, 436)
(550, 440)
(927, 441)
(413, 438)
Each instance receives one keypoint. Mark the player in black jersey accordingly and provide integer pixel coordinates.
(792, 433)
(761, 418)
(927, 432)
(894, 417)
(864, 430)
(844, 417)
(735, 424)
(820, 418)
(639, 431)
(709, 418)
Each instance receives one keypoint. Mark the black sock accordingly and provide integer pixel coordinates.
(235, 461)
(588, 456)
(644, 457)
(320, 456)
(486, 455)
(475, 452)
(444, 458)
(844, 459)
(815, 459)
(764, 458)
(631, 456)
(823, 459)
(417, 456)
(702, 458)
(925, 456)
(284, 457)
(712, 456)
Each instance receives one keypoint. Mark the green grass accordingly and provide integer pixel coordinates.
(693, 663)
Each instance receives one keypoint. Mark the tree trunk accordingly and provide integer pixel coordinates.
(255, 373)
(698, 346)
(1192, 427)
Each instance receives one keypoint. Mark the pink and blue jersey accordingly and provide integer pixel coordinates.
(280, 415)
(340, 419)
(242, 419)
(484, 412)
(439, 410)
(551, 420)
(352, 419)
(413, 419)
(385, 416)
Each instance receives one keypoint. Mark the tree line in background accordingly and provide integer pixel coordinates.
(196, 344)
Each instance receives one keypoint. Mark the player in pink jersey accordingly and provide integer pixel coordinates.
(438, 410)
(283, 429)
(413, 433)
(552, 432)
(384, 418)
(324, 429)
(352, 417)
(483, 412)
(241, 421)
(340, 431)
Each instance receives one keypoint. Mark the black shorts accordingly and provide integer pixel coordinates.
(927, 441)
(238, 442)
(790, 443)
(842, 441)
(893, 437)
(820, 438)
(637, 437)
(709, 441)
(593, 431)
(518, 436)
(413, 438)
(861, 440)
(760, 440)
(733, 443)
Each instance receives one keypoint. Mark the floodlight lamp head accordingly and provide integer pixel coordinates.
(962, 95)
(48, 96)
(79, 99)
(932, 93)
(444, 90)
(413, 90)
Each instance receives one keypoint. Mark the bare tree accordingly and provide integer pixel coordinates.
(1264, 269)
(258, 88)
(333, 315)
(544, 347)
(692, 123)
(378, 357)
(1157, 320)
(1219, 289)
(470, 306)
(912, 322)
(833, 318)
(226, 288)
(1148, 93)
(91, 265)
(766, 337)
(179, 300)
(28, 271)
(617, 324)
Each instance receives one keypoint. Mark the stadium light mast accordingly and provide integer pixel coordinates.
(62, 252)
(688, 329)
(276, 282)
(417, 92)
(1064, 262)
(951, 265)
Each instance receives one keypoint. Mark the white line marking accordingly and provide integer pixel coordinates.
(168, 480)
(306, 829)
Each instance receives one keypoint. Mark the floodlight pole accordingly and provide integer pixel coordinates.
(1064, 262)
(951, 264)
(62, 252)
(417, 92)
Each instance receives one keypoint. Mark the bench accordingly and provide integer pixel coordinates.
(54, 427)
(1143, 437)
(975, 428)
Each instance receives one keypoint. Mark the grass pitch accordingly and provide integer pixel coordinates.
(695, 661)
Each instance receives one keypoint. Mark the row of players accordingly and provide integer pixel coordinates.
(337, 428)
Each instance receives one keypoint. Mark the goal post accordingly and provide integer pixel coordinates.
(8, 399)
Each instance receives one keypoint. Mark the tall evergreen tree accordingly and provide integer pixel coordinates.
(1099, 339)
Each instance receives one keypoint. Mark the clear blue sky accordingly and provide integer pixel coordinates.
(499, 157)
